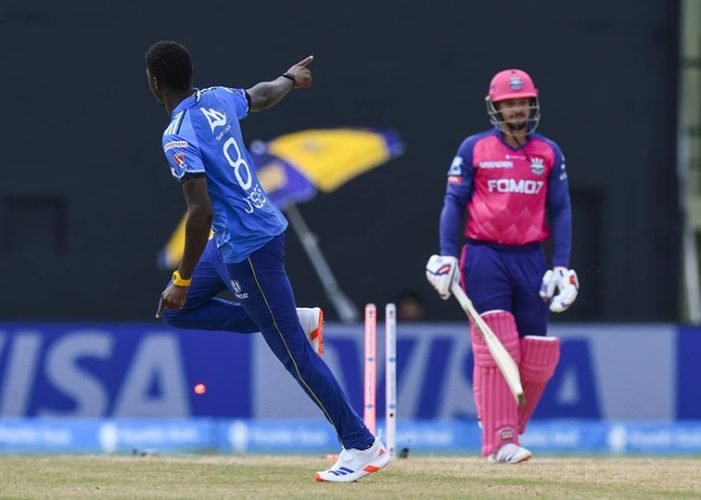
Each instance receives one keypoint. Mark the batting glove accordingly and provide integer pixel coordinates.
(566, 282)
(441, 272)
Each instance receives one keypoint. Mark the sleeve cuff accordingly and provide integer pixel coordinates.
(248, 101)
(191, 175)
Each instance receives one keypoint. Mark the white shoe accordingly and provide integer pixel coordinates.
(510, 453)
(355, 464)
(312, 321)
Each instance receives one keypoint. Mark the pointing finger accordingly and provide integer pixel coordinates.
(306, 61)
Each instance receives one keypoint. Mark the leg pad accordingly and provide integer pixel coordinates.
(539, 358)
(496, 407)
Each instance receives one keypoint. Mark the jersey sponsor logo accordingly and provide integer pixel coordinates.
(175, 144)
(214, 118)
(496, 164)
(524, 186)
(179, 158)
(455, 179)
(514, 157)
(537, 166)
(455, 166)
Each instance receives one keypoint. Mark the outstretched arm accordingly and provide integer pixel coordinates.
(264, 95)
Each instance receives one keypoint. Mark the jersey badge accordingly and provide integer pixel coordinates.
(455, 166)
(179, 158)
(537, 166)
(516, 83)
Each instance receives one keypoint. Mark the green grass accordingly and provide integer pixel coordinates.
(292, 477)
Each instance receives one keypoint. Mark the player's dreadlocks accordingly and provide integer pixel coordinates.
(170, 63)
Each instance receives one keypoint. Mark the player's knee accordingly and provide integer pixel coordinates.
(539, 357)
(503, 324)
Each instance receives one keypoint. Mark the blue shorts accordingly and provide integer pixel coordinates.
(508, 278)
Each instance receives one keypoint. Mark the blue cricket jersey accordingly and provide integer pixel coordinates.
(204, 139)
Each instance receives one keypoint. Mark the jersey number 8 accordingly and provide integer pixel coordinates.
(245, 179)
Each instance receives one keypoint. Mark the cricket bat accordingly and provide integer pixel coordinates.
(501, 356)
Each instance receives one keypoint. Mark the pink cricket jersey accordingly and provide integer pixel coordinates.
(508, 204)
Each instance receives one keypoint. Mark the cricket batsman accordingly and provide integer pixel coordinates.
(205, 151)
(512, 184)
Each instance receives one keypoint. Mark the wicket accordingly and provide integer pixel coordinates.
(370, 384)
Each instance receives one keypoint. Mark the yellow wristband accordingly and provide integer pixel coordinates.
(179, 281)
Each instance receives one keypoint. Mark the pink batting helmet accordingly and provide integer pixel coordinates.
(511, 84)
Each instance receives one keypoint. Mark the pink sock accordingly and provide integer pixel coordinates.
(539, 357)
(495, 404)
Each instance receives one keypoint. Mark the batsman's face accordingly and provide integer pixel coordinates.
(515, 112)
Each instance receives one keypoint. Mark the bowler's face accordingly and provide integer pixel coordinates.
(153, 86)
